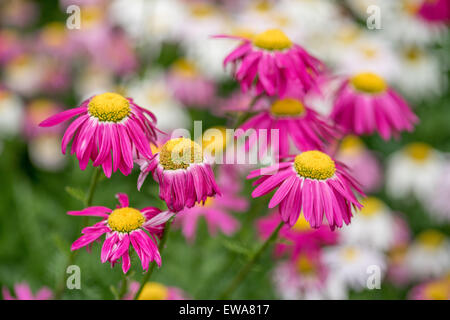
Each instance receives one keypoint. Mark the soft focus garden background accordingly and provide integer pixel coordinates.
(135, 48)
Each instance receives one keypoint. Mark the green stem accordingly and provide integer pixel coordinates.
(123, 289)
(153, 264)
(88, 202)
(248, 266)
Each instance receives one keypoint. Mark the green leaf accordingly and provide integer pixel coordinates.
(76, 193)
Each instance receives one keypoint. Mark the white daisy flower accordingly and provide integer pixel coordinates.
(429, 255)
(354, 264)
(372, 226)
(428, 79)
(45, 152)
(413, 170)
(306, 278)
(154, 95)
(11, 113)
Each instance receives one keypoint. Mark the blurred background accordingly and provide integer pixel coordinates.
(160, 53)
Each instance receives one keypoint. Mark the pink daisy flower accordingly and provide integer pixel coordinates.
(364, 104)
(184, 175)
(313, 184)
(271, 63)
(23, 292)
(110, 130)
(300, 236)
(155, 291)
(296, 124)
(216, 212)
(123, 227)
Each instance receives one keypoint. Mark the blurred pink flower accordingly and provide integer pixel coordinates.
(23, 292)
(300, 237)
(189, 86)
(435, 11)
(362, 163)
(216, 211)
(438, 289)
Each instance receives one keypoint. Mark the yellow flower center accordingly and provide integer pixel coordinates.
(287, 107)
(179, 153)
(431, 239)
(209, 202)
(272, 39)
(54, 34)
(314, 165)
(413, 54)
(109, 107)
(368, 82)
(301, 224)
(437, 290)
(371, 206)
(349, 254)
(418, 151)
(125, 220)
(154, 291)
(202, 10)
(184, 68)
(215, 142)
(351, 145)
(305, 265)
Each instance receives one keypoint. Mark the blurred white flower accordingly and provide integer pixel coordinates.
(413, 170)
(45, 152)
(11, 113)
(154, 95)
(373, 226)
(351, 263)
(420, 75)
(429, 255)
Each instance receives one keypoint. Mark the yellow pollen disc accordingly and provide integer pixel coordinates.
(287, 107)
(154, 291)
(91, 16)
(305, 265)
(418, 151)
(125, 220)
(370, 53)
(272, 39)
(369, 83)
(215, 141)
(431, 239)
(371, 206)
(349, 254)
(314, 165)
(54, 34)
(184, 68)
(109, 107)
(209, 202)
(351, 145)
(202, 10)
(411, 7)
(413, 54)
(179, 153)
(437, 290)
(301, 224)
(263, 6)
(397, 254)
